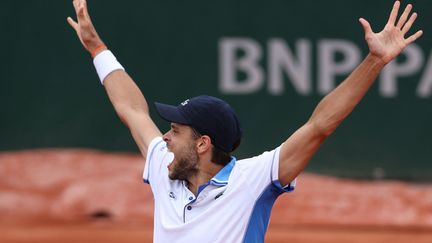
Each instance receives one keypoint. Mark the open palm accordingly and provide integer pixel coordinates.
(84, 27)
(391, 41)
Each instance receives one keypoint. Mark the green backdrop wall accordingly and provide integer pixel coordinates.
(272, 60)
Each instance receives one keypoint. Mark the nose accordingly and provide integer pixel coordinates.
(165, 137)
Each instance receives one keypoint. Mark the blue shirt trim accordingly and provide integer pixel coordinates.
(221, 178)
(260, 217)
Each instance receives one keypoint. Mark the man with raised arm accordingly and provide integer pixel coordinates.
(201, 192)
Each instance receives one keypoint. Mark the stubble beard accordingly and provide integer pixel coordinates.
(186, 165)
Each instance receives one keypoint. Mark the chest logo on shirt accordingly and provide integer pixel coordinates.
(172, 195)
(219, 195)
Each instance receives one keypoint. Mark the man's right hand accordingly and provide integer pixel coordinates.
(85, 29)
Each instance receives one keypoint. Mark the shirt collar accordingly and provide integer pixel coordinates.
(221, 178)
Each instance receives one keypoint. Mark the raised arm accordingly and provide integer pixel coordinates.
(127, 99)
(384, 46)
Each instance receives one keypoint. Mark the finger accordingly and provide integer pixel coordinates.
(414, 37)
(404, 16)
(85, 8)
(72, 23)
(408, 24)
(81, 10)
(366, 26)
(75, 4)
(393, 14)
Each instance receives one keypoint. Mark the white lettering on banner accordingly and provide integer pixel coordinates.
(294, 65)
(328, 68)
(393, 70)
(424, 89)
(229, 65)
(298, 71)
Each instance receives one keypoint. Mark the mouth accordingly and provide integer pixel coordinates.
(170, 160)
(170, 166)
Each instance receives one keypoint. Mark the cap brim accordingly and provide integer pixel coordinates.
(170, 113)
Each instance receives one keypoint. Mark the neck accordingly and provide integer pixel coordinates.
(206, 172)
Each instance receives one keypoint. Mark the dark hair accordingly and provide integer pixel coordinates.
(218, 156)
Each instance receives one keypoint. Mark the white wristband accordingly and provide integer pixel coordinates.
(105, 63)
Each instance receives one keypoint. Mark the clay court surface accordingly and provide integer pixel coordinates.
(86, 232)
(89, 196)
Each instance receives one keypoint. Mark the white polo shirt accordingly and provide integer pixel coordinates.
(234, 206)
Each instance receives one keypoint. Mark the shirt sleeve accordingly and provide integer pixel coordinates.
(275, 174)
(262, 172)
(158, 158)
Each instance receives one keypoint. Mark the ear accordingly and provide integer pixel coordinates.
(204, 144)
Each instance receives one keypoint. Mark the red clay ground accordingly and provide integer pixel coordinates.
(88, 196)
(141, 233)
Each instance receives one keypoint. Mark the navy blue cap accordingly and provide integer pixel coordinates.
(209, 116)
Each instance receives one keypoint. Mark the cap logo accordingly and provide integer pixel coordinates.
(185, 102)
